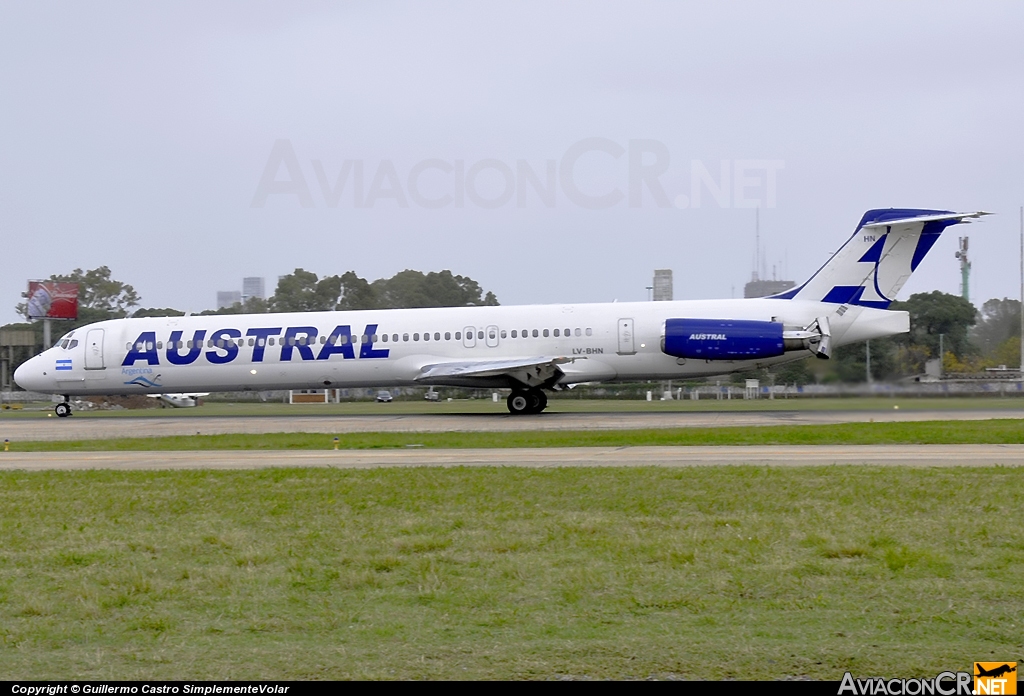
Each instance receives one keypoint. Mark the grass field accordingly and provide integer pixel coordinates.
(488, 573)
(996, 431)
(557, 405)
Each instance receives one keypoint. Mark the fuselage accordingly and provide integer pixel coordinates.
(594, 342)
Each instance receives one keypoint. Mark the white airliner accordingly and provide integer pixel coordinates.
(527, 349)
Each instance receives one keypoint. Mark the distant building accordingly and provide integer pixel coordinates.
(253, 287)
(763, 288)
(228, 298)
(663, 285)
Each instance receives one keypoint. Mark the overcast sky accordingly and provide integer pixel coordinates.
(187, 145)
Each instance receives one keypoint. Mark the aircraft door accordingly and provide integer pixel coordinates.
(94, 349)
(492, 336)
(469, 337)
(626, 337)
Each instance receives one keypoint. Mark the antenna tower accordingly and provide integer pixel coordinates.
(965, 270)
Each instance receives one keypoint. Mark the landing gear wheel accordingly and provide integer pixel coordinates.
(538, 400)
(532, 401)
(518, 403)
(543, 401)
(63, 410)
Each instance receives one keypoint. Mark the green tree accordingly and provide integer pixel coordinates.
(304, 291)
(938, 313)
(157, 312)
(849, 363)
(999, 320)
(796, 372)
(416, 289)
(356, 293)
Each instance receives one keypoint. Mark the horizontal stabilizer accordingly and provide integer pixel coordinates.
(960, 217)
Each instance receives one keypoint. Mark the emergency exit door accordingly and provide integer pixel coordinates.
(626, 337)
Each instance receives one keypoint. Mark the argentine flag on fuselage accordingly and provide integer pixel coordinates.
(887, 246)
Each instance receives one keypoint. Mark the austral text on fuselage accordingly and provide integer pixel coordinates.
(225, 345)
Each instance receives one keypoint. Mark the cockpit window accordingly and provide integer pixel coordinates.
(64, 343)
(73, 344)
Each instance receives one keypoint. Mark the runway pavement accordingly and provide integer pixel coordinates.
(798, 455)
(85, 427)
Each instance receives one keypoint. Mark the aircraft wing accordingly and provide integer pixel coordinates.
(532, 371)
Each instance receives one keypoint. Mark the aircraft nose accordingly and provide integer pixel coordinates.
(29, 375)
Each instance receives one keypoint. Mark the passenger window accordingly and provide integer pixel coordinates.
(271, 341)
(159, 345)
(536, 333)
(394, 338)
(128, 347)
(415, 337)
(384, 338)
(447, 335)
(567, 333)
(514, 333)
(480, 334)
(578, 332)
(373, 338)
(426, 337)
(149, 345)
(323, 340)
(556, 333)
(437, 336)
(405, 337)
(458, 335)
(590, 332)
(503, 333)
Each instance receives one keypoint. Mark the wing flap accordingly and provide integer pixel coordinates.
(488, 368)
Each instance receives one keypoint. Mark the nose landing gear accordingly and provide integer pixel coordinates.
(530, 401)
(63, 409)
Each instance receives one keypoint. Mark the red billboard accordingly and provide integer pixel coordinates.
(50, 300)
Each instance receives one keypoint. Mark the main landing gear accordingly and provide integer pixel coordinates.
(63, 409)
(530, 401)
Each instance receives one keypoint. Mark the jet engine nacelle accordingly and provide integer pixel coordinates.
(723, 339)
